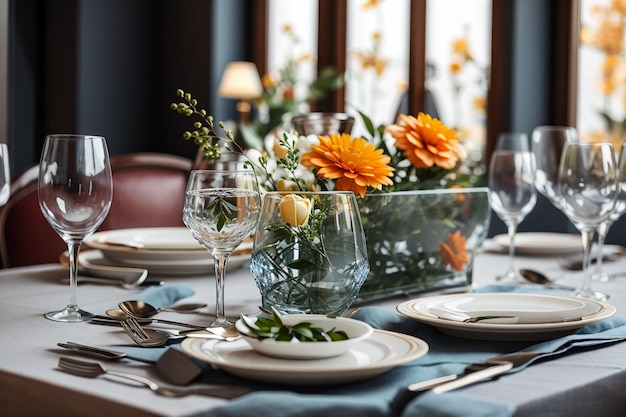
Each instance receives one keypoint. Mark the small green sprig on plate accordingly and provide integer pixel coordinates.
(273, 328)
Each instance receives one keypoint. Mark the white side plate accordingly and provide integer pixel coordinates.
(543, 243)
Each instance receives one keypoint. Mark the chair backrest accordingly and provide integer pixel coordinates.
(148, 191)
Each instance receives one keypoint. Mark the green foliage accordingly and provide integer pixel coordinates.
(204, 134)
(220, 208)
(273, 328)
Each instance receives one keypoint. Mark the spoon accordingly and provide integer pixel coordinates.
(142, 310)
(539, 278)
(120, 315)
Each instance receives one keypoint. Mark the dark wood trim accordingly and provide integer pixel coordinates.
(566, 21)
(259, 34)
(331, 48)
(500, 77)
(417, 54)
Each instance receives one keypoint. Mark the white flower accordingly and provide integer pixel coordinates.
(295, 210)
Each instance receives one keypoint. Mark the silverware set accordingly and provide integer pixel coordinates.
(95, 370)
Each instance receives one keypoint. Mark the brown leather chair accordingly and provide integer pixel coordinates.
(148, 191)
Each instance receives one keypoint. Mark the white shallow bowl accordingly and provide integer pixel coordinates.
(356, 330)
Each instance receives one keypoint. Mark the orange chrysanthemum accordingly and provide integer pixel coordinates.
(454, 253)
(426, 141)
(353, 162)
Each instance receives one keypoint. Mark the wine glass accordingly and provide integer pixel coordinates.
(618, 211)
(588, 188)
(75, 193)
(5, 174)
(221, 210)
(512, 141)
(547, 143)
(512, 195)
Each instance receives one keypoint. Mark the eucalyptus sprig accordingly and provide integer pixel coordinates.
(204, 134)
(273, 328)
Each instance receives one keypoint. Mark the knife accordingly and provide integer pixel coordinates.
(469, 376)
(482, 375)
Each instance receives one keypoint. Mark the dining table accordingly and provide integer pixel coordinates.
(585, 382)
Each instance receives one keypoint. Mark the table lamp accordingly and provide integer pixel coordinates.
(241, 81)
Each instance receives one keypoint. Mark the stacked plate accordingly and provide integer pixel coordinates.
(506, 316)
(161, 250)
(372, 356)
(542, 244)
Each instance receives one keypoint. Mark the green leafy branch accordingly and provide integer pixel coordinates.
(274, 328)
(220, 208)
(204, 134)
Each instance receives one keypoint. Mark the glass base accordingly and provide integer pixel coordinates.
(602, 277)
(221, 322)
(511, 278)
(591, 294)
(70, 314)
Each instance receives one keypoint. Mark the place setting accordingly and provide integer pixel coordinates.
(363, 353)
(507, 316)
(171, 251)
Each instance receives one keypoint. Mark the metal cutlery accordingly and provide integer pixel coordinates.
(94, 370)
(475, 372)
(144, 337)
(102, 353)
(82, 279)
(115, 314)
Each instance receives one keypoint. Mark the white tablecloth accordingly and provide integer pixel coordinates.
(583, 384)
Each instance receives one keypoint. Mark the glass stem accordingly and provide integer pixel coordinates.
(512, 230)
(220, 270)
(587, 238)
(73, 249)
(603, 230)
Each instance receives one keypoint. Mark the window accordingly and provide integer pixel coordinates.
(602, 71)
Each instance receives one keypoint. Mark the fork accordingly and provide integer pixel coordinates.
(143, 337)
(94, 370)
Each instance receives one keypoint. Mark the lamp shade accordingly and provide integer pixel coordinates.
(240, 80)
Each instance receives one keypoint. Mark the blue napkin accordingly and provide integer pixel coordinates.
(165, 295)
(383, 395)
(380, 396)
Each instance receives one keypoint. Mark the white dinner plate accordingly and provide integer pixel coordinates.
(592, 311)
(527, 308)
(170, 267)
(163, 248)
(151, 238)
(542, 243)
(371, 357)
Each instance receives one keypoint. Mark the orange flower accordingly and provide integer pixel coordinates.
(427, 142)
(460, 47)
(268, 81)
(353, 162)
(455, 67)
(369, 4)
(288, 94)
(454, 253)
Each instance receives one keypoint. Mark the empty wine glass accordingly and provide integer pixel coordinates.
(588, 188)
(547, 143)
(5, 174)
(75, 192)
(512, 195)
(618, 211)
(512, 141)
(221, 210)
